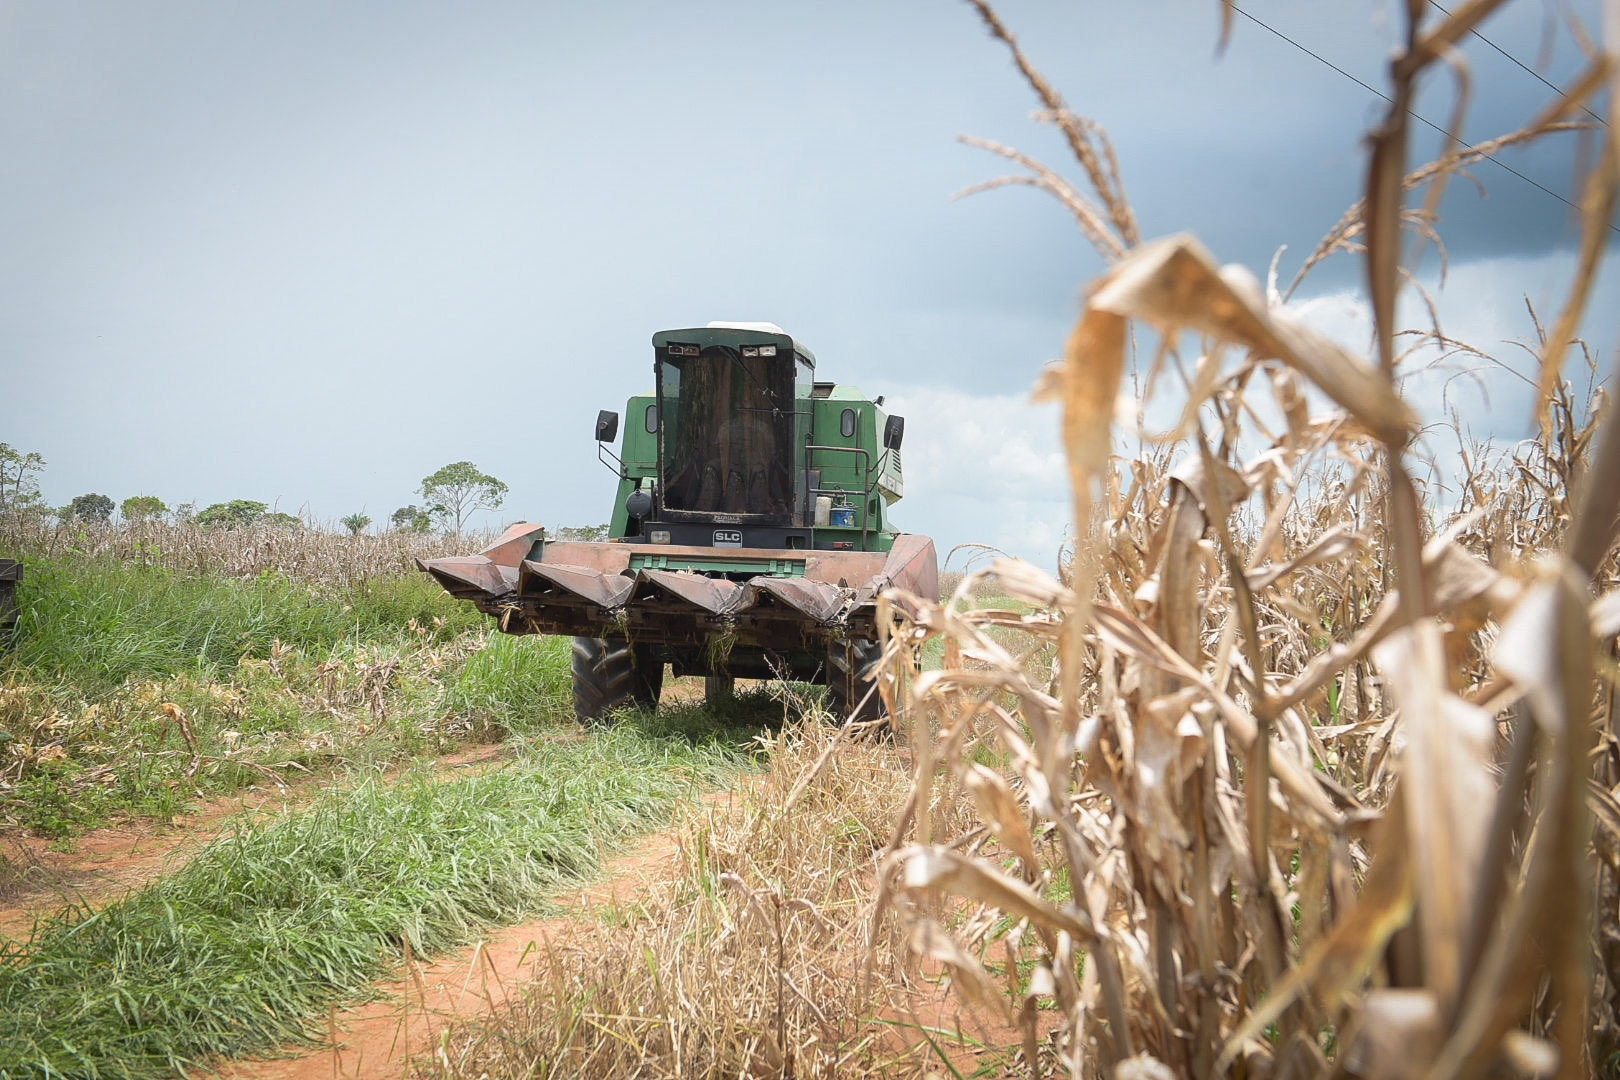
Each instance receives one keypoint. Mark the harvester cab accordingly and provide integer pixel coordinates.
(739, 446)
(750, 533)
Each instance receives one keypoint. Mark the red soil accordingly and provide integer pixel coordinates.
(107, 863)
(373, 1041)
(376, 1041)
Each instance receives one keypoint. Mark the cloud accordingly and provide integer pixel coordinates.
(312, 255)
(989, 468)
(1476, 393)
(1482, 379)
(983, 468)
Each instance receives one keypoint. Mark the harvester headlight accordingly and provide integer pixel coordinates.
(750, 350)
(658, 536)
(767, 350)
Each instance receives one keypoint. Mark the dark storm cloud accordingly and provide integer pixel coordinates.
(1264, 145)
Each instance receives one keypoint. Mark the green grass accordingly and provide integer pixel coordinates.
(515, 683)
(96, 623)
(136, 689)
(736, 723)
(239, 951)
(272, 676)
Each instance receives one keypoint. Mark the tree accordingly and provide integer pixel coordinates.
(457, 491)
(356, 523)
(593, 533)
(19, 479)
(139, 509)
(278, 520)
(90, 507)
(411, 519)
(236, 514)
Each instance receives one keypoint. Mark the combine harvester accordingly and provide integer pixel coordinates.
(750, 534)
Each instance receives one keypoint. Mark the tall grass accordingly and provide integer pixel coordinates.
(95, 622)
(242, 948)
(514, 683)
(133, 688)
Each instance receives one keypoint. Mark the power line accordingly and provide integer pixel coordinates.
(1411, 112)
(1559, 90)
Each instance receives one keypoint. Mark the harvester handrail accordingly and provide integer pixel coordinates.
(869, 484)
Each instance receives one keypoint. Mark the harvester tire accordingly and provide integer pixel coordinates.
(610, 675)
(852, 667)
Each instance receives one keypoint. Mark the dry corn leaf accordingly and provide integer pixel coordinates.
(1001, 811)
(1331, 546)
(1606, 808)
(1230, 488)
(1456, 575)
(1398, 1034)
(1526, 651)
(1336, 966)
(1026, 581)
(1175, 284)
(1545, 647)
(1606, 614)
(931, 940)
(1528, 1056)
(1088, 383)
(1087, 386)
(1129, 636)
(941, 868)
(1143, 1066)
(1446, 775)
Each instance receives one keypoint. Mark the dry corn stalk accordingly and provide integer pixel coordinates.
(305, 554)
(1257, 804)
(1306, 792)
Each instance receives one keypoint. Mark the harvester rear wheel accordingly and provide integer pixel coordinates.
(852, 667)
(610, 675)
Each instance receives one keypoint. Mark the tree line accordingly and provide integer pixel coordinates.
(450, 496)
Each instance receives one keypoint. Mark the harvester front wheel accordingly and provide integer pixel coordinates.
(718, 689)
(852, 667)
(610, 675)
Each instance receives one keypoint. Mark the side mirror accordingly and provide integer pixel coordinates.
(607, 426)
(893, 432)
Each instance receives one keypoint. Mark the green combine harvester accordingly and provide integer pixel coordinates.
(750, 534)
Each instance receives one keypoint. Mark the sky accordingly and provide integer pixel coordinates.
(307, 253)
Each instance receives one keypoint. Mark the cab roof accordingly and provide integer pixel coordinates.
(736, 334)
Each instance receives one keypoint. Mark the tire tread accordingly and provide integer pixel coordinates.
(609, 675)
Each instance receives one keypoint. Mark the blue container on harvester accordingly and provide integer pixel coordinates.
(843, 517)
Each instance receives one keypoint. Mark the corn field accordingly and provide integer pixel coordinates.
(1290, 772)
(305, 554)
